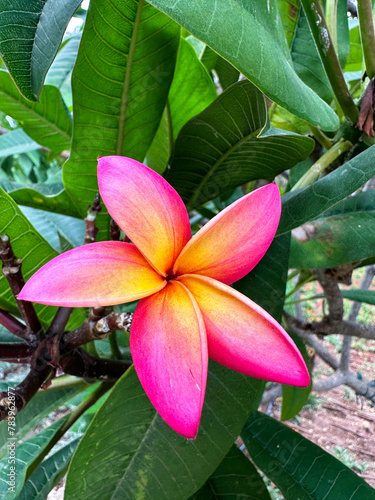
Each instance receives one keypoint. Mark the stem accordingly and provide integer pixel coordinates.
(13, 325)
(69, 421)
(60, 321)
(324, 44)
(323, 162)
(15, 352)
(325, 141)
(366, 27)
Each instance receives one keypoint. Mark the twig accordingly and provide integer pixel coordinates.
(12, 324)
(82, 364)
(92, 212)
(333, 295)
(11, 266)
(15, 352)
(60, 321)
(115, 231)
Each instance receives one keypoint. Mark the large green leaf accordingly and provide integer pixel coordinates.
(47, 121)
(16, 142)
(190, 79)
(307, 62)
(30, 35)
(120, 84)
(26, 453)
(130, 452)
(305, 204)
(236, 477)
(41, 405)
(300, 468)
(342, 235)
(49, 472)
(250, 35)
(48, 196)
(220, 149)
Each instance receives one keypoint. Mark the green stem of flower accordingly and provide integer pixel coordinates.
(366, 27)
(323, 162)
(325, 141)
(325, 46)
(70, 420)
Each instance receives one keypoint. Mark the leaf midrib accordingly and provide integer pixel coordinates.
(125, 92)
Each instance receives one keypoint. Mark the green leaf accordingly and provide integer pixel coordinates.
(295, 398)
(298, 467)
(47, 121)
(16, 142)
(30, 35)
(51, 197)
(236, 477)
(289, 12)
(41, 405)
(141, 456)
(190, 79)
(305, 204)
(342, 235)
(227, 73)
(250, 36)
(307, 62)
(52, 226)
(343, 37)
(366, 296)
(219, 149)
(355, 58)
(117, 106)
(25, 454)
(48, 474)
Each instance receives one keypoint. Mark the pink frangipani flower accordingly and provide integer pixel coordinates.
(187, 311)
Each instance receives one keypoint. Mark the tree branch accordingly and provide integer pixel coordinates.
(14, 352)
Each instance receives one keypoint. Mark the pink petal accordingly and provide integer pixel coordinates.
(169, 349)
(146, 207)
(244, 337)
(233, 242)
(97, 274)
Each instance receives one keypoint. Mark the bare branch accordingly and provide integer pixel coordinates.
(92, 212)
(15, 352)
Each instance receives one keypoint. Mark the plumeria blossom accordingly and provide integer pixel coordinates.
(187, 312)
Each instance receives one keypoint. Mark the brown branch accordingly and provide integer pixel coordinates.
(333, 295)
(92, 212)
(82, 364)
(15, 352)
(115, 231)
(60, 321)
(11, 266)
(13, 325)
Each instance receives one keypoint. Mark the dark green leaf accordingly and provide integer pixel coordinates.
(190, 79)
(227, 73)
(25, 454)
(342, 235)
(307, 203)
(219, 149)
(250, 36)
(48, 474)
(16, 142)
(121, 81)
(30, 35)
(300, 468)
(307, 62)
(132, 443)
(294, 398)
(47, 121)
(235, 478)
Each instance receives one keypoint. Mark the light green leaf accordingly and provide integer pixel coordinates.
(305, 204)
(190, 78)
(219, 149)
(250, 36)
(343, 37)
(307, 62)
(47, 121)
(121, 81)
(16, 142)
(127, 427)
(235, 478)
(30, 35)
(48, 474)
(342, 235)
(298, 467)
(47, 196)
(355, 58)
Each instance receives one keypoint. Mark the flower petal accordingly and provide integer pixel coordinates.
(244, 337)
(98, 274)
(169, 349)
(146, 207)
(233, 242)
